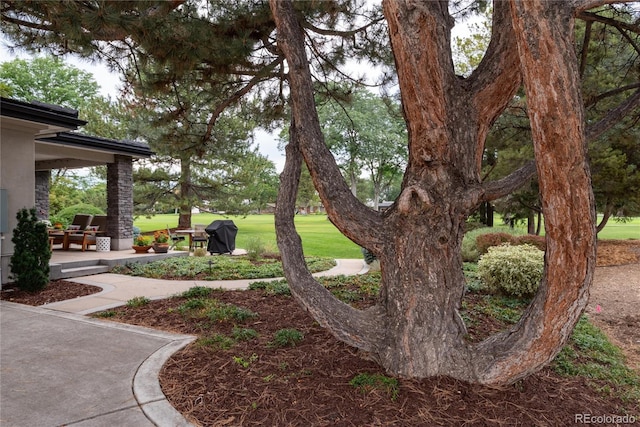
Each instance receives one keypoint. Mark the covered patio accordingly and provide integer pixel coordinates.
(37, 138)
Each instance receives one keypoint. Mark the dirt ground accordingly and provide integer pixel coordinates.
(614, 306)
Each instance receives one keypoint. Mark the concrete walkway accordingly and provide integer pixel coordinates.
(118, 288)
(60, 368)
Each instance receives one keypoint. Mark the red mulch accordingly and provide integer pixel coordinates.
(308, 385)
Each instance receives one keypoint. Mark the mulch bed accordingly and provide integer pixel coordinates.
(254, 383)
(57, 290)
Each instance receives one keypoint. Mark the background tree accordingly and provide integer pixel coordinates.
(366, 135)
(614, 163)
(49, 80)
(196, 165)
(52, 81)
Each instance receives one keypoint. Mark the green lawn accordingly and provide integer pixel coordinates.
(320, 237)
(621, 230)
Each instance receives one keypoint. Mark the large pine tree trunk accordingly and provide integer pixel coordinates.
(416, 330)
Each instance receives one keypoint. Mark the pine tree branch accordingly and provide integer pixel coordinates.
(496, 189)
(580, 6)
(613, 117)
(585, 47)
(595, 99)
(237, 96)
(593, 17)
(344, 34)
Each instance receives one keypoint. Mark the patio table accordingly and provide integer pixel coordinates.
(189, 231)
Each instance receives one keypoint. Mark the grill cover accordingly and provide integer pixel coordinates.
(222, 236)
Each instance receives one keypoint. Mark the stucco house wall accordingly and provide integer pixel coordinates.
(17, 177)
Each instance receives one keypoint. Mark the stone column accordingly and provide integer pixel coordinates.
(42, 193)
(120, 202)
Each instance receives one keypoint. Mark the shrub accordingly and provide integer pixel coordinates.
(470, 251)
(369, 257)
(485, 241)
(66, 215)
(529, 239)
(255, 248)
(513, 270)
(29, 263)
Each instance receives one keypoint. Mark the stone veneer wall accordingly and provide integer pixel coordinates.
(42, 193)
(120, 202)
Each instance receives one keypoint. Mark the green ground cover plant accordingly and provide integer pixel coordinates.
(287, 337)
(366, 383)
(138, 302)
(272, 287)
(216, 268)
(590, 354)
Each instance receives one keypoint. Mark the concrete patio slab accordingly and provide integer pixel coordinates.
(65, 369)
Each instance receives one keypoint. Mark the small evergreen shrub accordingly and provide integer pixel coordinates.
(512, 270)
(368, 256)
(29, 263)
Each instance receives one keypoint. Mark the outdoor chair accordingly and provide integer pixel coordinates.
(87, 237)
(200, 237)
(174, 238)
(80, 222)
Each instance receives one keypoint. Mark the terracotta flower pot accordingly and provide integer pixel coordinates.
(141, 249)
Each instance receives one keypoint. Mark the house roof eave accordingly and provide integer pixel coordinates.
(39, 112)
(74, 139)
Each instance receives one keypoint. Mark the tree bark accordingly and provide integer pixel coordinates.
(184, 219)
(416, 330)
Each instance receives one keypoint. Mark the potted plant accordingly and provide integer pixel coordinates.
(142, 244)
(161, 241)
